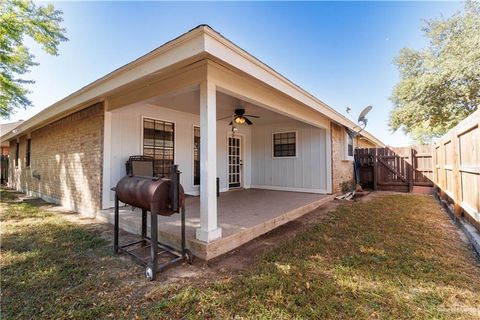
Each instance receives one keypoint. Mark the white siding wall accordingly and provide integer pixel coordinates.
(126, 139)
(306, 172)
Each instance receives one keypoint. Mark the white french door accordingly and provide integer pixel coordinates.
(235, 162)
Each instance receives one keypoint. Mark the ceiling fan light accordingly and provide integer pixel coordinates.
(239, 120)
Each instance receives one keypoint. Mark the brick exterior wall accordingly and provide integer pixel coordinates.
(342, 170)
(362, 143)
(66, 161)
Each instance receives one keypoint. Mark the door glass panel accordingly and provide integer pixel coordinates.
(234, 157)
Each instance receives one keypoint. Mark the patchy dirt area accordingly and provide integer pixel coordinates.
(234, 261)
(386, 255)
(237, 260)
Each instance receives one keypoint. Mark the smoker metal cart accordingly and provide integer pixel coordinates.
(161, 197)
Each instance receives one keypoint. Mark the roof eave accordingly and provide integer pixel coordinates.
(202, 39)
(273, 78)
(149, 63)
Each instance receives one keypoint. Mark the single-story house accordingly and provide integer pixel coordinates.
(4, 129)
(5, 149)
(177, 104)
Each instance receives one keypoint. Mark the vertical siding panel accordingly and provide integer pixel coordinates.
(323, 159)
(307, 170)
(315, 158)
(298, 171)
(268, 158)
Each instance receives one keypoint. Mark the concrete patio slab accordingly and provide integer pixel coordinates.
(243, 215)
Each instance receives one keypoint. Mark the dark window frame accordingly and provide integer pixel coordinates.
(28, 154)
(196, 155)
(160, 144)
(285, 144)
(17, 153)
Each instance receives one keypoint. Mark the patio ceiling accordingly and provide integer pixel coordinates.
(188, 101)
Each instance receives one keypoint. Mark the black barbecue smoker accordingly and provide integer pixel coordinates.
(160, 196)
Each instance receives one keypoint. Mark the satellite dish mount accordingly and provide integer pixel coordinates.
(362, 120)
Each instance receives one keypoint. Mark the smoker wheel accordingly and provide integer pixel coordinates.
(189, 256)
(149, 274)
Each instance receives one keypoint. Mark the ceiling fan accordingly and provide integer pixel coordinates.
(239, 117)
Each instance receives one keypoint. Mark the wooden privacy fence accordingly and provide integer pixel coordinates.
(404, 169)
(457, 168)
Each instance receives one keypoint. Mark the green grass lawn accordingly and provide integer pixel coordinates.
(394, 257)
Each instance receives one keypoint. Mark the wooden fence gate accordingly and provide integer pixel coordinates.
(407, 169)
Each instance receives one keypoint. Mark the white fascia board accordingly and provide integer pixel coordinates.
(181, 48)
(199, 40)
(222, 48)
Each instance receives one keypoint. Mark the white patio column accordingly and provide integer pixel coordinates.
(208, 230)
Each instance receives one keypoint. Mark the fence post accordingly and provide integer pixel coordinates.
(411, 169)
(442, 173)
(433, 147)
(457, 191)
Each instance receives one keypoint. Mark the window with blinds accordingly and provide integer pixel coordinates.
(285, 144)
(159, 143)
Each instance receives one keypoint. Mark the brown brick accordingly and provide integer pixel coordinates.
(68, 156)
(342, 170)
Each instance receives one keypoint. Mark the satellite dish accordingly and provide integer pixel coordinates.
(362, 117)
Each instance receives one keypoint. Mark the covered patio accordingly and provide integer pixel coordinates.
(192, 127)
(270, 168)
(242, 215)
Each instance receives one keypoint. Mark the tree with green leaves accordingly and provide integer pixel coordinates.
(20, 19)
(439, 85)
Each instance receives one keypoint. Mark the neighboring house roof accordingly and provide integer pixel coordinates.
(6, 128)
(200, 40)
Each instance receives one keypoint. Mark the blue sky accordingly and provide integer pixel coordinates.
(341, 52)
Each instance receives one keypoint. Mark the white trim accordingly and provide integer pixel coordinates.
(186, 46)
(306, 190)
(209, 230)
(346, 136)
(328, 158)
(107, 161)
(296, 144)
(196, 193)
